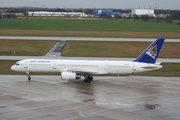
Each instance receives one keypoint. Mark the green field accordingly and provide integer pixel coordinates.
(88, 25)
(84, 49)
(116, 49)
(25, 47)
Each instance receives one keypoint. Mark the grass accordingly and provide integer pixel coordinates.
(168, 70)
(87, 25)
(88, 28)
(25, 47)
(116, 49)
(84, 49)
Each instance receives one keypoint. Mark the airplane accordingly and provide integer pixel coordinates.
(75, 69)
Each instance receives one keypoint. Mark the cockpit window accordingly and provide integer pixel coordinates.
(17, 64)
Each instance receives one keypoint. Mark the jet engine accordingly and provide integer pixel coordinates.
(70, 76)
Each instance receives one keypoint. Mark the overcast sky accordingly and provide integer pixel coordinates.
(161, 4)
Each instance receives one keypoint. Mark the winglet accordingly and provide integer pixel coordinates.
(150, 54)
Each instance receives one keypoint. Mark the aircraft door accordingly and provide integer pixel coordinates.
(54, 65)
(133, 67)
(107, 68)
(25, 65)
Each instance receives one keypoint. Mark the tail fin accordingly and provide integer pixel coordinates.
(150, 54)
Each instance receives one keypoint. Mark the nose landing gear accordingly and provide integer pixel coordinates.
(28, 74)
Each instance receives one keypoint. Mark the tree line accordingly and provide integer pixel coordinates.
(7, 16)
(166, 19)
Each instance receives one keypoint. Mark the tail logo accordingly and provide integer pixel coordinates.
(152, 52)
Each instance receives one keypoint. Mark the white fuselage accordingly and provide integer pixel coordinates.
(74, 69)
(92, 67)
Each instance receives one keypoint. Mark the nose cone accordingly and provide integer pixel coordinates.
(13, 68)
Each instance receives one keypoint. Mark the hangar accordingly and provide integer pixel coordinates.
(107, 12)
(141, 12)
(57, 14)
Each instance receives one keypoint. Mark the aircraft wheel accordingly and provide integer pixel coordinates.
(89, 81)
(29, 78)
(85, 81)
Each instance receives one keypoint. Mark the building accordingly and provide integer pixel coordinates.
(141, 12)
(97, 13)
(57, 14)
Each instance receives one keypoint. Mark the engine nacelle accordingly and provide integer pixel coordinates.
(69, 76)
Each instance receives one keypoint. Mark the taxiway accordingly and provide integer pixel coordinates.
(107, 98)
(82, 39)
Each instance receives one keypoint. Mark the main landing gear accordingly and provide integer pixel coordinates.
(88, 79)
(28, 74)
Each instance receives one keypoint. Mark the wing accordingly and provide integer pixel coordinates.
(87, 71)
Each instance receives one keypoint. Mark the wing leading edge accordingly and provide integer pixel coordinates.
(87, 71)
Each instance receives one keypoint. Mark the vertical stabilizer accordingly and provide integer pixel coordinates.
(150, 54)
